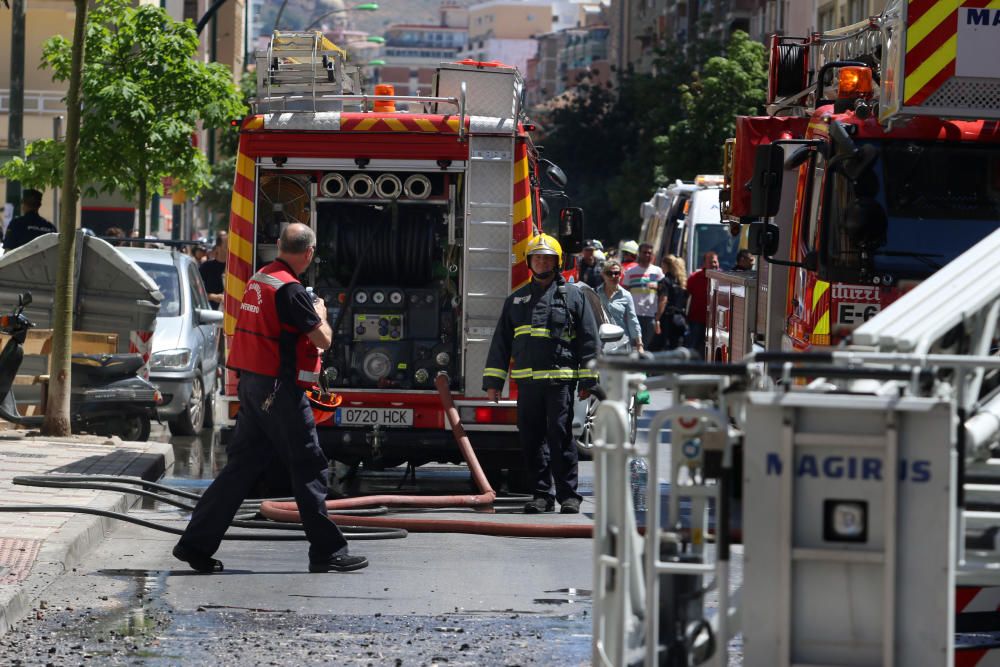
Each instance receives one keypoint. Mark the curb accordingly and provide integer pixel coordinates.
(66, 547)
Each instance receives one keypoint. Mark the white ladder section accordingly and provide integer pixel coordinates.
(298, 69)
(489, 213)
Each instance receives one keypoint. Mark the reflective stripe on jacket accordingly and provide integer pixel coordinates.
(549, 335)
(256, 341)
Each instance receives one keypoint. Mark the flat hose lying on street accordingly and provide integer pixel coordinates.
(287, 511)
(126, 485)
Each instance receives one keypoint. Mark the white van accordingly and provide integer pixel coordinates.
(684, 220)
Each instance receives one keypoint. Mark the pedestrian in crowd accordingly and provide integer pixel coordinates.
(200, 253)
(629, 251)
(213, 270)
(115, 233)
(697, 287)
(744, 261)
(29, 225)
(641, 280)
(618, 304)
(672, 298)
(548, 328)
(589, 269)
(276, 350)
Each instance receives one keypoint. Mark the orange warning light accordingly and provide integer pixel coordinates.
(854, 82)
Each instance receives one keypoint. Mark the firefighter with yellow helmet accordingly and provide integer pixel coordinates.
(546, 335)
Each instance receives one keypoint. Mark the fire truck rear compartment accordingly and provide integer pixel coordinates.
(388, 267)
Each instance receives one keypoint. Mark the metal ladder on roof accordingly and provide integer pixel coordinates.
(487, 249)
(298, 69)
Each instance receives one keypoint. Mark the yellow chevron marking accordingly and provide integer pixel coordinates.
(823, 326)
(365, 124)
(396, 125)
(931, 19)
(928, 69)
(819, 289)
(242, 248)
(242, 206)
(425, 125)
(453, 124)
(245, 167)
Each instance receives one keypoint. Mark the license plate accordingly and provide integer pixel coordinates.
(374, 417)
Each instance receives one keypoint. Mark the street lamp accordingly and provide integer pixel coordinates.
(364, 7)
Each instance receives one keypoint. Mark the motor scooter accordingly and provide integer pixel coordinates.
(106, 397)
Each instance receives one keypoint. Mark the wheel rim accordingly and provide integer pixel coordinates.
(586, 439)
(196, 404)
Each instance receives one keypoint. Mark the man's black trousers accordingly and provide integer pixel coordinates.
(285, 433)
(545, 422)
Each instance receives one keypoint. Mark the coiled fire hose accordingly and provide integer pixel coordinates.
(288, 512)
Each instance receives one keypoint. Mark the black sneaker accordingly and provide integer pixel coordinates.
(198, 562)
(343, 563)
(539, 505)
(569, 506)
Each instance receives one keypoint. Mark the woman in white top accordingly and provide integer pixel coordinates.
(619, 306)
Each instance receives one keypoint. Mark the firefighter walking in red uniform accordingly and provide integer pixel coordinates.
(549, 331)
(279, 333)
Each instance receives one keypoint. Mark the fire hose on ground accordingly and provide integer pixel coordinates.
(353, 515)
(287, 511)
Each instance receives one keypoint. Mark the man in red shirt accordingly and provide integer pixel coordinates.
(697, 287)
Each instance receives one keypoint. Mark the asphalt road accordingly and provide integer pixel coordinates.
(426, 599)
(443, 599)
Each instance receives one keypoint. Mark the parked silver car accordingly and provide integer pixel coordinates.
(184, 359)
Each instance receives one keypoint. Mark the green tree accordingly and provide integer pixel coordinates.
(217, 195)
(57, 413)
(727, 86)
(611, 183)
(144, 96)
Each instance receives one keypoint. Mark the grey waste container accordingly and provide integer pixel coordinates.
(113, 295)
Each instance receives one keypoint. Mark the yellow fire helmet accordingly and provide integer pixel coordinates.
(543, 244)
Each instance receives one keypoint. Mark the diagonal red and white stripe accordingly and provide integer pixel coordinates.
(141, 342)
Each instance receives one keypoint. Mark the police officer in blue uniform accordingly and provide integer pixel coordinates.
(548, 329)
(29, 225)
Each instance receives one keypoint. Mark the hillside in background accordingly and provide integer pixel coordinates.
(299, 13)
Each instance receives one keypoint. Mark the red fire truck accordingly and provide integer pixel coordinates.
(422, 207)
(879, 164)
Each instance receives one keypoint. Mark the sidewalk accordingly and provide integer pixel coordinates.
(35, 547)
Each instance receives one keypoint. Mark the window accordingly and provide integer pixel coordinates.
(166, 279)
(857, 10)
(199, 297)
(827, 18)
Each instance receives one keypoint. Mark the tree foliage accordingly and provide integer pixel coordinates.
(144, 96)
(617, 146)
(726, 87)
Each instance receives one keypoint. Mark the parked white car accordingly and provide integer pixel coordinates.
(184, 359)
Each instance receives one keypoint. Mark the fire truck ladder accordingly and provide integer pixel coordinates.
(953, 318)
(487, 250)
(303, 71)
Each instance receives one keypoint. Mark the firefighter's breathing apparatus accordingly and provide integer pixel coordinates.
(353, 515)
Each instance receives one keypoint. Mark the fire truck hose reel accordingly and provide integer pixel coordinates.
(286, 511)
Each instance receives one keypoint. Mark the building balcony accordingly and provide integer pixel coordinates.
(36, 101)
